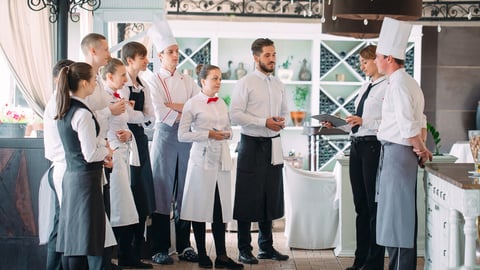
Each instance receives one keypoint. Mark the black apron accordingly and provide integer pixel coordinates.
(259, 184)
(141, 176)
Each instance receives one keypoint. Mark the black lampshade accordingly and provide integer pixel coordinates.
(405, 10)
(347, 27)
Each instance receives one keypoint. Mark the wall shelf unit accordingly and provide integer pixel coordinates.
(332, 61)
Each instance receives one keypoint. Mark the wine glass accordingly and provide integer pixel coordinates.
(474, 139)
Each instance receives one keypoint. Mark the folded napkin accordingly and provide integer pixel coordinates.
(277, 151)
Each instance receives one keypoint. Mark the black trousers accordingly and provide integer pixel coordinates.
(364, 158)
(124, 237)
(54, 258)
(402, 258)
(244, 237)
(218, 230)
(160, 232)
(139, 238)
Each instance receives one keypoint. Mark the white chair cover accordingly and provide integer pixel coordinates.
(311, 209)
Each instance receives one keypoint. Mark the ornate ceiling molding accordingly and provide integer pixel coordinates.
(432, 10)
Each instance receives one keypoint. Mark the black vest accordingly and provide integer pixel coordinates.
(71, 143)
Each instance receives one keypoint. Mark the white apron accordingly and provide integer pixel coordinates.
(209, 165)
(122, 206)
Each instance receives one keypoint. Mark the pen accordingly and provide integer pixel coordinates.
(116, 148)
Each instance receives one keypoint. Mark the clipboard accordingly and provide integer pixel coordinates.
(336, 121)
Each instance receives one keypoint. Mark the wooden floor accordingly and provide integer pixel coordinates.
(299, 259)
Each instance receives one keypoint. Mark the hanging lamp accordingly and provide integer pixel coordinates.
(405, 10)
(345, 27)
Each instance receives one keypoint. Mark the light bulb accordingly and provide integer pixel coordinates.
(322, 20)
(439, 28)
(334, 18)
(304, 13)
(469, 16)
(365, 22)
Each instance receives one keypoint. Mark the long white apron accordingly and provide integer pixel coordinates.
(122, 205)
(203, 174)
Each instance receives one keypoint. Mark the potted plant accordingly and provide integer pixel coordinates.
(284, 72)
(436, 138)
(299, 99)
(13, 121)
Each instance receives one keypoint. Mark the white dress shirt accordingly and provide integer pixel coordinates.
(402, 113)
(167, 87)
(372, 108)
(98, 102)
(117, 122)
(199, 117)
(139, 117)
(93, 148)
(53, 145)
(255, 98)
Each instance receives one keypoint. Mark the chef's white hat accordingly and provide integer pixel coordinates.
(393, 38)
(161, 35)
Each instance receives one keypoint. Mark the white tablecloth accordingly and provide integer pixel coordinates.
(461, 150)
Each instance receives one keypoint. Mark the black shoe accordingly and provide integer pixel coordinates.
(205, 262)
(247, 257)
(272, 254)
(188, 255)
(162, 258)
(115, 267)
(228, 263)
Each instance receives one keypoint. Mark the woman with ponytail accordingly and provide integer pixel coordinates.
(81, 230)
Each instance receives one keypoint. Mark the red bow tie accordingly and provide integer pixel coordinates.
(116, 94)
(212, 99)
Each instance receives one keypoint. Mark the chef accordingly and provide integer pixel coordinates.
(403, 148)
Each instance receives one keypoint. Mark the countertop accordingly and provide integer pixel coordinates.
(455, 173)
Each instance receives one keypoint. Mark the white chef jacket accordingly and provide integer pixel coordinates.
(402, 112)
(139, 117)
(255, 98)
(165, 87)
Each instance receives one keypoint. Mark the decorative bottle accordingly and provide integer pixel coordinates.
(240, 71)
(304, 74)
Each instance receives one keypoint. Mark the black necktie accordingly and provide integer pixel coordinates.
(360, 105)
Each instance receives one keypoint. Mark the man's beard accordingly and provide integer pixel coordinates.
(264, 68)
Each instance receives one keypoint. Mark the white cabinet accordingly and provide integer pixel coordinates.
(453, 204)
(425, 210)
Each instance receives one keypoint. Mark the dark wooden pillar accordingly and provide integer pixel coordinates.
(62, 29)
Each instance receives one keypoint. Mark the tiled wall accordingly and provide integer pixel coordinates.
(451, 80)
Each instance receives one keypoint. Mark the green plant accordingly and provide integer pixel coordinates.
(300, 97)
(227, 100)
(436, 138)
(287, 62)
